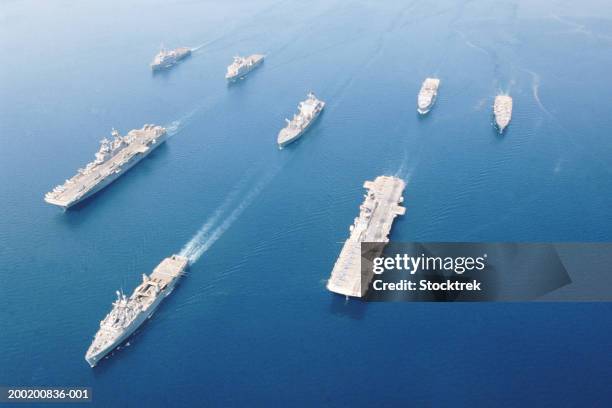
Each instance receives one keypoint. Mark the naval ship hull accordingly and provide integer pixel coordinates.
(299, 134)
(425, 110)
(171, 63)
(257, 61)
(108, 180)
(501, 124)
(501, 127)
(502, 112)
(374, 223)
(136, 323)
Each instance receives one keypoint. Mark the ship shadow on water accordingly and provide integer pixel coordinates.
(347, 307)
(499, 136)
(421, 117)
(236, 84)
(425, 116)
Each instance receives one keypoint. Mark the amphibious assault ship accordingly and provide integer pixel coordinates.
(308, 111)
(379, 209)
(114, 158)
(128, 313)
(427, 95)
(502, 109)
(167, 58)
(242, 66)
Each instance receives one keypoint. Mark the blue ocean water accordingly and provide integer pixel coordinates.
(252, 323)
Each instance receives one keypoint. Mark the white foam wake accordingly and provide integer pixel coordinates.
(173, 128)
(535, 89)
(406, 172)
(192, 247)
(199, 47)
(178, 125)
(216, 226)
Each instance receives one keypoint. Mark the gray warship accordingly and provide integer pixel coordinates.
(114, 158)
(242, 66)
(308, 111)
(379, 209)
(167, 58)
(128, 313)
(427, 95)
(502, 109)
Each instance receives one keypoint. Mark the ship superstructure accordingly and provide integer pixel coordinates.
(242, 66)
(502, 109)
(167, 58)
(128, 313)
(376, 216)
(114, 158)
(308, 111)
(427, 95)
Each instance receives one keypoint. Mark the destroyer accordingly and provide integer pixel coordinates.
(379, 209)
(502, 109)
(242, 66)
(308, 111)
(114, 158)
(167, 58)
(427, 95)
(128, 314)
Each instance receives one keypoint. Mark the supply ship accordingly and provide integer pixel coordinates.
(502, 109)
(114, 158)
(308, 111)
(376, 216)
(242, 66)
(167, 58)
(427, 95)
(128, 313)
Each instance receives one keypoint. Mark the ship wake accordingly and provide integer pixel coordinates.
(405, 171)
(176, 126)
(226, 214)
(199, 47)
(535, 90)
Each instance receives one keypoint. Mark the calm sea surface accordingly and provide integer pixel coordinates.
(252, 322)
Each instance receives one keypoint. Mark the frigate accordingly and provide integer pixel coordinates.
(502, 109)
(114, 158)
(167, 58)
(376, 216)
(128, 313)
(242, 66)
(308, 111)
(427, 95)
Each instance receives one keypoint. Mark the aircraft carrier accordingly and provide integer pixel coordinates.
(379, 209)
(167, 58)
(427, 95)
(242, 66)
(502, 109)
(128, 314)
(114, 158)
(308, 111)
